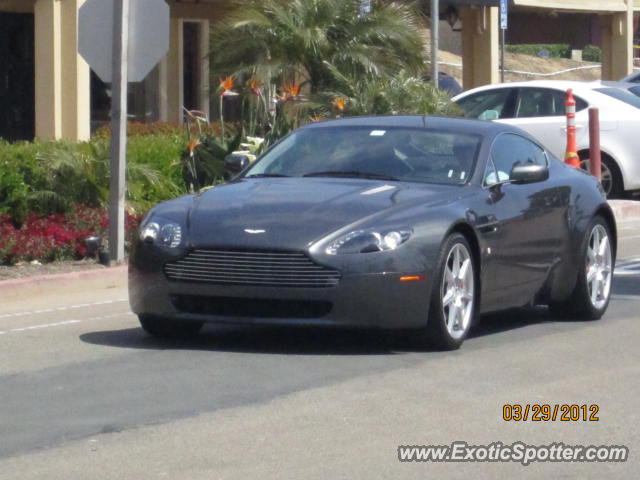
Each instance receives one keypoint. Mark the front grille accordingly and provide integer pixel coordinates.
(255, 268)
(251, 307)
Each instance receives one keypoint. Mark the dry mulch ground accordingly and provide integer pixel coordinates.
(31, 270)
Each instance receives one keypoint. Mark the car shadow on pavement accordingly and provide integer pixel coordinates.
(308, 340)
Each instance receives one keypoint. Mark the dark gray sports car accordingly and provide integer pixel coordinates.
(390, 222)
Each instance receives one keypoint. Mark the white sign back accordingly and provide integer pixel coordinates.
(148, 36)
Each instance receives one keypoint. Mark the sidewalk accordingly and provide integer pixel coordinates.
(627, 214)
(625, 210)
(37, 285)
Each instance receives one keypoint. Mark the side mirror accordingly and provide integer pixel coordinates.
(235, 162)
(529, 173)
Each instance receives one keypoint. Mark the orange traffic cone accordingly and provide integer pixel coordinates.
(571, 157)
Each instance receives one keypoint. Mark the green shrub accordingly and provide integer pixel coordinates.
(592, 53)
(46, 177)
(402, 94)
(19, 168)
(137, 129)
(556, 50)
(154, 172)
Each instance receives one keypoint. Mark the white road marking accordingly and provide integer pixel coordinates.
(628, 268)
(61, 309)
(65, 322)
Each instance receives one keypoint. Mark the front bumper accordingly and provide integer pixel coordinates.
(360, 299)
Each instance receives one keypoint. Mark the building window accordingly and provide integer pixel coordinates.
(17, 74)
(142, 100)
(192, 64)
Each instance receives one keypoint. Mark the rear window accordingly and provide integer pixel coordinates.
(622, 95)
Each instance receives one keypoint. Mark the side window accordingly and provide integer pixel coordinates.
(560, 99)
(509, 150)
(487, 105)
(490, 174)
(539, 102)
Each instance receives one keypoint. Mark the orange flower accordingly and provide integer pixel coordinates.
(226, 84)
(340, 103)
(290, 92)
(292, 89)
(192, 146)
(255, 86)
(317, 118)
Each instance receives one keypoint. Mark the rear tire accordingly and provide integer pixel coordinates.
(611, 176)
(590, 297)
(453, 297)
(165, 328)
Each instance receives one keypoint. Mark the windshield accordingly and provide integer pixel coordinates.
(401, 154)
(622, 95)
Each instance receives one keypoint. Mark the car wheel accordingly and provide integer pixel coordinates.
(453, 299)
(165, 328)
(590, 297)
(611, 177)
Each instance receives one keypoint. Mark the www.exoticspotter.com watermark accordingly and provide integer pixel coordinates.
(518, 452)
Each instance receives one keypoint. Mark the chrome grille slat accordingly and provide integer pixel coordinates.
(239, 254)
(253, 274)
(248, 264)
(235, 267)
(243, 268)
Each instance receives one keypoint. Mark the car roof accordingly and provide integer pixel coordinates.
(587, 90)
(556, 84)
(462, 125)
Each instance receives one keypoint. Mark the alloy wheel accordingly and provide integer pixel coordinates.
(457, 291)
(599, 267)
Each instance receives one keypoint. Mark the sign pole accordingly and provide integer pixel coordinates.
(502, 55)
(504, 15)
(118, 130)
(435, 18)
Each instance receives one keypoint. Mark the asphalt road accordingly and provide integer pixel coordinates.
(85, 394)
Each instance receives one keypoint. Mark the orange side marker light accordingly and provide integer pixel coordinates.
(413, 278)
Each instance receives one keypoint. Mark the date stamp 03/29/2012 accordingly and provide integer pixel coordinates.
(536, 412)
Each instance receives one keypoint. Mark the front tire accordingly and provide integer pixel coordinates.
(590, 297)
(165, 328)
(453, 298)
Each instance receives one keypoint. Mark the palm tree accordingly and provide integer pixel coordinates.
(318, 41)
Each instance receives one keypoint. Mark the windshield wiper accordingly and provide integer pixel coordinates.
(265, 175)
(352, 173)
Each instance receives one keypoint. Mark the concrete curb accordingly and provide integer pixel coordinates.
(57, 280)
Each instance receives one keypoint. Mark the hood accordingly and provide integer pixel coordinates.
(292, 213)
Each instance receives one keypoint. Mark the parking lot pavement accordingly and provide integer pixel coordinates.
(627, 214)
(84, 393)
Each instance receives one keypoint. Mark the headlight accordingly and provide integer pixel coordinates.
(365, 241)
(159, 232)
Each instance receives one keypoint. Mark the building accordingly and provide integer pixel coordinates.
(481, 31)
(47, 90)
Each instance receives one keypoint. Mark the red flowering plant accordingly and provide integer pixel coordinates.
(55, 237)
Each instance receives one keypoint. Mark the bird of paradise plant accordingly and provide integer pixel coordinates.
(340, 103)
(290, 92)
(226, 84)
